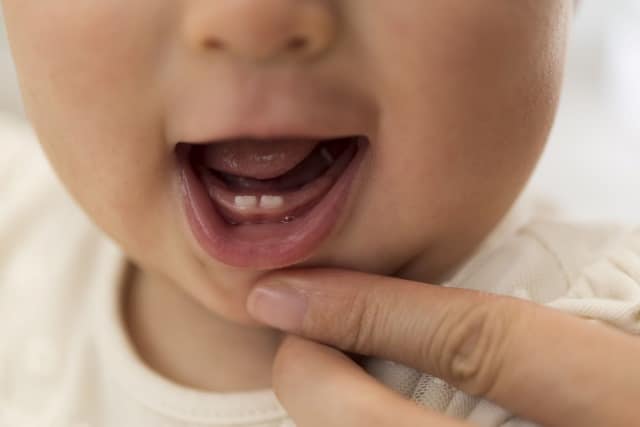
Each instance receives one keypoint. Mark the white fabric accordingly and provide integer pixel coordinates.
(66, 360)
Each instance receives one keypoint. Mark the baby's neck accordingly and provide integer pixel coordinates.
(189, 345)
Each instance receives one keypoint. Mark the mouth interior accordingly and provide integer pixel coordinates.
(311, 167)
(242, 199)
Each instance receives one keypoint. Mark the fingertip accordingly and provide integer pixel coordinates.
(281, 307)
(299, 359)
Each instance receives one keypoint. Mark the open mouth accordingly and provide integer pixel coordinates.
(256, 203)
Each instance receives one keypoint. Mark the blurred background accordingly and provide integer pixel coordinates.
(592, 164)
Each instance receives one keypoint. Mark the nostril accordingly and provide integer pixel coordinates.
(259, 31)
(214, 43)
(294, 44)
(297, 43)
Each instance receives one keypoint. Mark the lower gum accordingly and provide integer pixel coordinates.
(286, 220)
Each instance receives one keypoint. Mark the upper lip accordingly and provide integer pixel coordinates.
(262, 109)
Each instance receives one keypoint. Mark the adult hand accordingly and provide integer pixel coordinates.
(538, 363)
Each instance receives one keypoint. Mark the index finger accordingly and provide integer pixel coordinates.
(540, 364)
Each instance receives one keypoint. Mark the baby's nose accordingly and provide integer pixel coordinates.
(262, 30)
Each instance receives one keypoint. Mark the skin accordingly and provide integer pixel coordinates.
(542, 365)
(462, 96)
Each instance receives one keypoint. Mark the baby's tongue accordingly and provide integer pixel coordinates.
(260, 159)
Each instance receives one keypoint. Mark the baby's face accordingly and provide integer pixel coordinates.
(178, 125)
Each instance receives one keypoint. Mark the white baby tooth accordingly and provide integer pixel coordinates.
(327, 155)
(245, 202)
(271, 202)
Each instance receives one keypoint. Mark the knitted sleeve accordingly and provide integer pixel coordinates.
(608, 289)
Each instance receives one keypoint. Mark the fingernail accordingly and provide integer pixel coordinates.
(282, 307)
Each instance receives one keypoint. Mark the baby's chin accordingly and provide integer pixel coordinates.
(236, 284)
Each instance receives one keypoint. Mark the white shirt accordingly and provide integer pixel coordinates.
(66, 359)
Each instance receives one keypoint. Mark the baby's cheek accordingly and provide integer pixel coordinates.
(99, 56)
(87, 75)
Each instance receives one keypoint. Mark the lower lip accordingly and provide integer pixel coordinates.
(262, 246)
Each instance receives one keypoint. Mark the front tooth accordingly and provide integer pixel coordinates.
(245, 202)
(271, 202)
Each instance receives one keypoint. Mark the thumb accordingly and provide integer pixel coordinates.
(320, 386)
